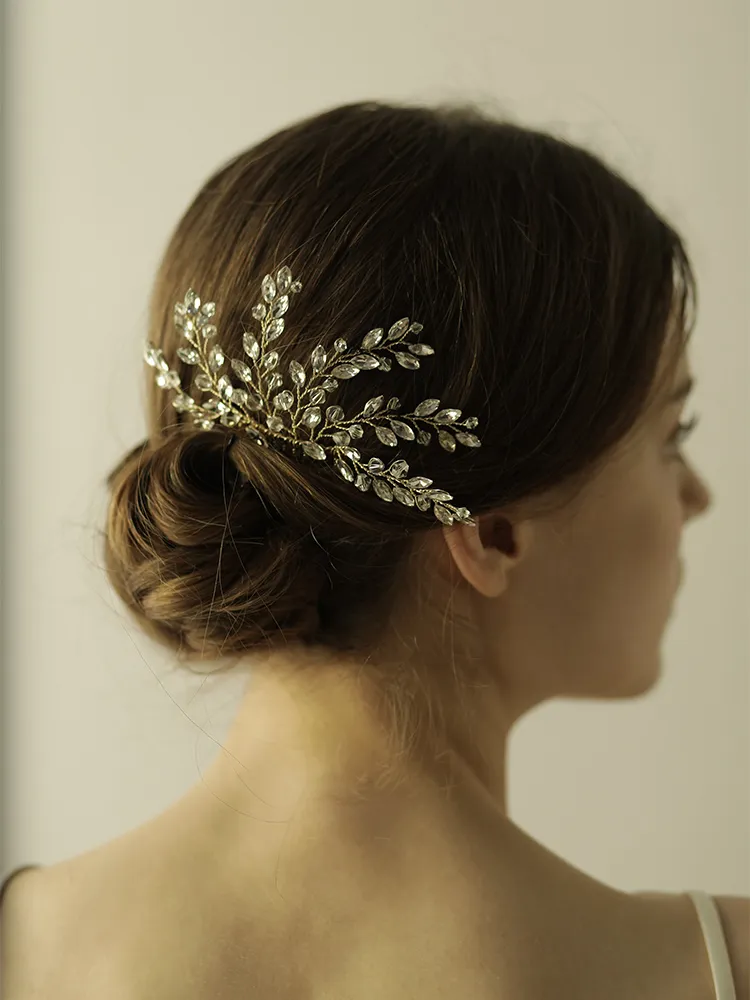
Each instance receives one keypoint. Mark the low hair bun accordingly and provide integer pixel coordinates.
(200, 552)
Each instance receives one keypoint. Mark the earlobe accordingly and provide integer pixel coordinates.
(485, 552)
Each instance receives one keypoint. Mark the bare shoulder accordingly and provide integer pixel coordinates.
(734, 915)
(24, 913)
(46, 912)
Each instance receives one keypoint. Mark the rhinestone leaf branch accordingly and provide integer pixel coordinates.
(268, 408)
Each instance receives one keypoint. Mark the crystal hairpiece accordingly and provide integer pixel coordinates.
(267, 410)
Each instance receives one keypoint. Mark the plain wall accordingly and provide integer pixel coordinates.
(116, 114)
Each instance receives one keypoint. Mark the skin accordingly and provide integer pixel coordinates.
(570, 604)
(303, 834)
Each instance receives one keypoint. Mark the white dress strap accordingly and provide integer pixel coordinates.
(716, 945)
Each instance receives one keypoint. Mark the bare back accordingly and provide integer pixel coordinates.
(130, 922)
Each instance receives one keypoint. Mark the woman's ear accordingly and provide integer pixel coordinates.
(487, 551)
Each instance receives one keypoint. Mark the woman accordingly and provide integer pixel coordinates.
(516, 539)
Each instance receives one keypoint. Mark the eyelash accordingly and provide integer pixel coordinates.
(683, 431)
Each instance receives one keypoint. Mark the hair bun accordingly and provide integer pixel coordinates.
(207, 562)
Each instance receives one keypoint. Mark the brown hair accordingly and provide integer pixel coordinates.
(544, 281)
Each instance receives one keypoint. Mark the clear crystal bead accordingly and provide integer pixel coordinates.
(341, 438)
(419, 482)
(275, 423)
(423, 502)
(470, 440)
(168, 380)
(283, 280)
(385, 364)
(190, 298)
(280, 306)
(318, 358)
(373, 338)
(251, 345)
(244, 371)
(423, 437)
(443, 514)
(183, 403)
(406, 360)
(312, 416)
(275, 329)
(284, 401)
(208, 309)
(399, 327)
(416, 328)
(386, 436)
(356, 431)
(179, 309)
(225, 387)
(296, 286)
(317, 396)
(365, 361)
(154, 357)
(372, 406)
(297, 373)
(351, 453)
(253, 401)
(203, 381)
(363, 482)
(205, 425)
(215, 358)
(208, 331)
(271, 360)
(447, 440)
(438, 495)
(260, 310)
(345, 371)
(398, 468)
(382, 489)
(189, 355)
(403, 496)
(229, 419)
(334, 414)
(402, 430)
(376, 465)
(446, 416)
(268, 288)
(275, 382)
(339, 345)
(329, 384)
(344, 470)
(239, 396)
(313, 450)
(421, 349)
(427, 407)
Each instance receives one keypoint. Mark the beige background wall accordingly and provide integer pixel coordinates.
(117, 113)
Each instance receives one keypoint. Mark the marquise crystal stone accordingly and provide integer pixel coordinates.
(373, 338)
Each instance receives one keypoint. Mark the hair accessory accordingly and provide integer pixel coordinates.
(267, 410)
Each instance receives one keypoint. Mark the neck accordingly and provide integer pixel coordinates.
(332, 733)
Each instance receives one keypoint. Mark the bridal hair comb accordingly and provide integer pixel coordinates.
(269, 410)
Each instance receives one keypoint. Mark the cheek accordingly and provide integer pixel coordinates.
(621, 555)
